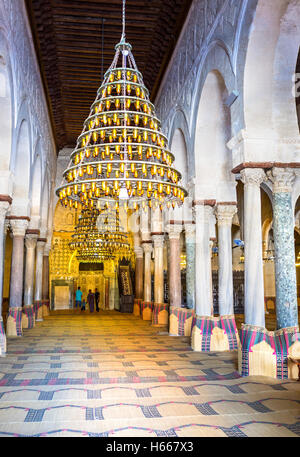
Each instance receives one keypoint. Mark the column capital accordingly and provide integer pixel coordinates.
(158, 240)
(225, 213)
(4, 206)
(147, 247)
(282, 179)
(30, 240)
(253, 176)
(139, 252)
(19, 226)
(174, 231)
(40, 244)
(190, 231)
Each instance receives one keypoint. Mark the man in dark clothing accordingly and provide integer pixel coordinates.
(97, 298)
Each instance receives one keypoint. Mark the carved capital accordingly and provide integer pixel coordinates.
(30, 241)
(282, 179)
(253, 176)
(174, 231)
(147, 247)
(158, 241)
(139, 252)
(225, 214)
(19, 227)
(190, 231)
(4, 206)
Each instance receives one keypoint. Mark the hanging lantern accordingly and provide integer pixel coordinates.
(122, 123)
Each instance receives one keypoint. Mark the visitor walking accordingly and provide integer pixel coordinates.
(90, 300)
(78, 298)
(97, 298)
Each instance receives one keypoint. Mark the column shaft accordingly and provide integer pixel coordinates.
(225, 214)
(283, 231)
(45, 281)
(202, 262)
(174, 265)
(254, 285)
(158, 241)
(190, 264)
(147, 271)
(39, 270)
(30, 243)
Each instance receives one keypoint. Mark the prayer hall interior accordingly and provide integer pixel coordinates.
(149, 218)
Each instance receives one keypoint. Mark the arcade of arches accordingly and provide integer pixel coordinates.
(209, 311)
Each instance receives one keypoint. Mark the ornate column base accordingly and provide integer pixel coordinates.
(214, 334)
(28, 317)
(160, 315)
(264, 353)
(2, 338)
(180, 321)
(14, 322)
(137, 307)
(146, 310)
(45, 308)
(38, 309)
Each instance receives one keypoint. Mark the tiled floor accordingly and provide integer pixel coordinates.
(110, 374)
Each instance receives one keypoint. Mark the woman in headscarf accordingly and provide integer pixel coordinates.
(91, 301)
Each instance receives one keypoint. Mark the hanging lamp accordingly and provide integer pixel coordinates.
(121, 156)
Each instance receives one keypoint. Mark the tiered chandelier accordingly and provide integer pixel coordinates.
(121, 156)
(100, 235)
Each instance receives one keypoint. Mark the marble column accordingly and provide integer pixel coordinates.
(4, 206)
(30, 243)
(283, 231)
(14, 326)
(158, 247)
(203, 261)
(254, 279)
(39, 278)
(139, 272)
(224, 215)
(45, 280)
(147, 247)
(190, 264)
(174, 231)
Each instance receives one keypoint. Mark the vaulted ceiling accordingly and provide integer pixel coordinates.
(75, 40)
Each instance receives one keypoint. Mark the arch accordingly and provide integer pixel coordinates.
(20, 167)
(6, 103)
(44, 207)
(36, 189)
(269, 103)
(179, 123)
(213, 161)
(179, 150)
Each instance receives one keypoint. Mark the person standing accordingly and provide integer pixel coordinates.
(90, 300)
(97, 298)
(78, 298)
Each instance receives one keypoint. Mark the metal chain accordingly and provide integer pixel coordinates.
(123, 20)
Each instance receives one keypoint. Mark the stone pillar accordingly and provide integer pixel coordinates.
(224, 215)
(139, 272)
(203, 261)
(30, 243)
(158, 246)
(254, 279)
(14, 320)
(45, 282)
(147, 247)
(283, 231)
(174, 231)
(4, 205)
(45, 279)
(39, 278)
(190, 264)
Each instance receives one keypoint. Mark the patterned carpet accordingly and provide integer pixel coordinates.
(110, 374)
